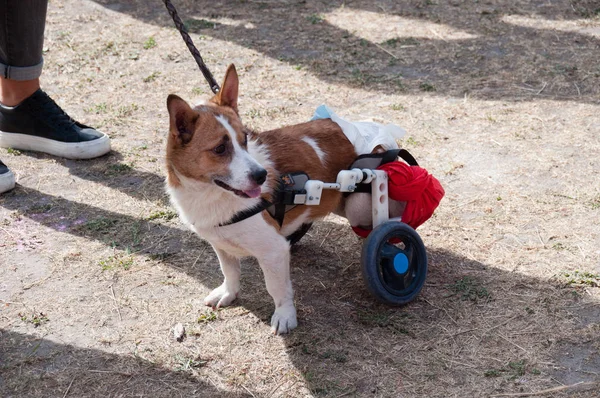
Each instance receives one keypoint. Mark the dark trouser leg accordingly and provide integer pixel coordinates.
(22, 24)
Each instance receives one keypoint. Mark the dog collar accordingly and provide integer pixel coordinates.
(244, 214)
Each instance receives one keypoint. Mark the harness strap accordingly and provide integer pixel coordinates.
(404, 154)
(292, 183)
(374, 160)
(244, 214)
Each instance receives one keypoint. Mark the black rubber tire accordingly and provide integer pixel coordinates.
(299, 233)
(380, 276)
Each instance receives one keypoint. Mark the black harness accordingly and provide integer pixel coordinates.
(292, 184)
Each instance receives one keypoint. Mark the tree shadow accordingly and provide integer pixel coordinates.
(113, 172)
(493, 58)
(344, 335)
(34, 366)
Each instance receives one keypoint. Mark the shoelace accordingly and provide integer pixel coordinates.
(46, 106)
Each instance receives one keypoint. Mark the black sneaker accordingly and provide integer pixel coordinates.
(7, 178)
(39, 124)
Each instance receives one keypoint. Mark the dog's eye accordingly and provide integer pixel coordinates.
(220, 149)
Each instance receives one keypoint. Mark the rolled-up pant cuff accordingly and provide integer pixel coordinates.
(21, 72)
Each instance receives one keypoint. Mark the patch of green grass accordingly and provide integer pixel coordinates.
(297, 67)
(40, 208)
(100, 224)
(124, 261)
(118, 168)
(162, 215)
(468, 288)
(197, 91)
(315, 19)
(492, 373)
(359, 76)
(207, 317)
(135, 230)
(35, 319)
(401, 41)
(410, 141)
(194, 25)
(14, 152)
(517, 368)
(188, 364)
(151, 77)
(150, 43)
(126, 110)
(427, 87)
(582, 278)
(102, 107)
(160, 256)
(595, 203)
(253, 113)
(397, 107)
(513, 370)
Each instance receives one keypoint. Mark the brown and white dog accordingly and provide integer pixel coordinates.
(217, 168)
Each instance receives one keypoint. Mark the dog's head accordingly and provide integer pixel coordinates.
(208, 143)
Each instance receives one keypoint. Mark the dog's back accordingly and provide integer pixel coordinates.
(318, 148)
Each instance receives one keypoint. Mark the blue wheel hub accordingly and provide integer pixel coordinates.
(400, 263)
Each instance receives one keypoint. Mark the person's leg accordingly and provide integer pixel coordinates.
(22, 24)
(29, 118)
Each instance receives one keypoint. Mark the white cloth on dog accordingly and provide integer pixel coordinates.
(365, 136)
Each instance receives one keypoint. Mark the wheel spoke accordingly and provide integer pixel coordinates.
(395, 280)
(389, 251)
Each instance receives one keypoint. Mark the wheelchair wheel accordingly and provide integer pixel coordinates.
(298, 234)
(394, 263)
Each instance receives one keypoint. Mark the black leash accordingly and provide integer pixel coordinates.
(190, 44)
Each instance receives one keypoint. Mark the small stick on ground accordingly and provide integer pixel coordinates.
(325, 238)
(548, 391)
(542, 89)
(68, 388)
(383, 49)
(116, 303)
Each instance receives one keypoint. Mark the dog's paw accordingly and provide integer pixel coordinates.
(284, 319)
(220, 297)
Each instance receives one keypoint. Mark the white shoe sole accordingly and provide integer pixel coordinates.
(70, 150)
(7, 181)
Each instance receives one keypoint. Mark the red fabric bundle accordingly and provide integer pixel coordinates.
(421, 191)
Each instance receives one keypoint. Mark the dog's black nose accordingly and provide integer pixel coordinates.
(259, 176)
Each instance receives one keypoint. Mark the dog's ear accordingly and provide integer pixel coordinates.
(228, 95)
(182, 119)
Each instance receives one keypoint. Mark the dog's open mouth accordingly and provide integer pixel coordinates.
(251, 193)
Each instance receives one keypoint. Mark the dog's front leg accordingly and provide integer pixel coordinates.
(275, 264)
(228, 291)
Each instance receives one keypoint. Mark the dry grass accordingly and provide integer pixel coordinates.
(500, 100)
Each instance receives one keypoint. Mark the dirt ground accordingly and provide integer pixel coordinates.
(501, 101)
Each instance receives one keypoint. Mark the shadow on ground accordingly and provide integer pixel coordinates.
(343, 331)
(492, 58)
(38, 367)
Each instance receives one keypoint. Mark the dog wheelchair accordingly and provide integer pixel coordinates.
(393, 258)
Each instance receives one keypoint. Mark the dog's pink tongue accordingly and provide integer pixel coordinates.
(253, 193)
